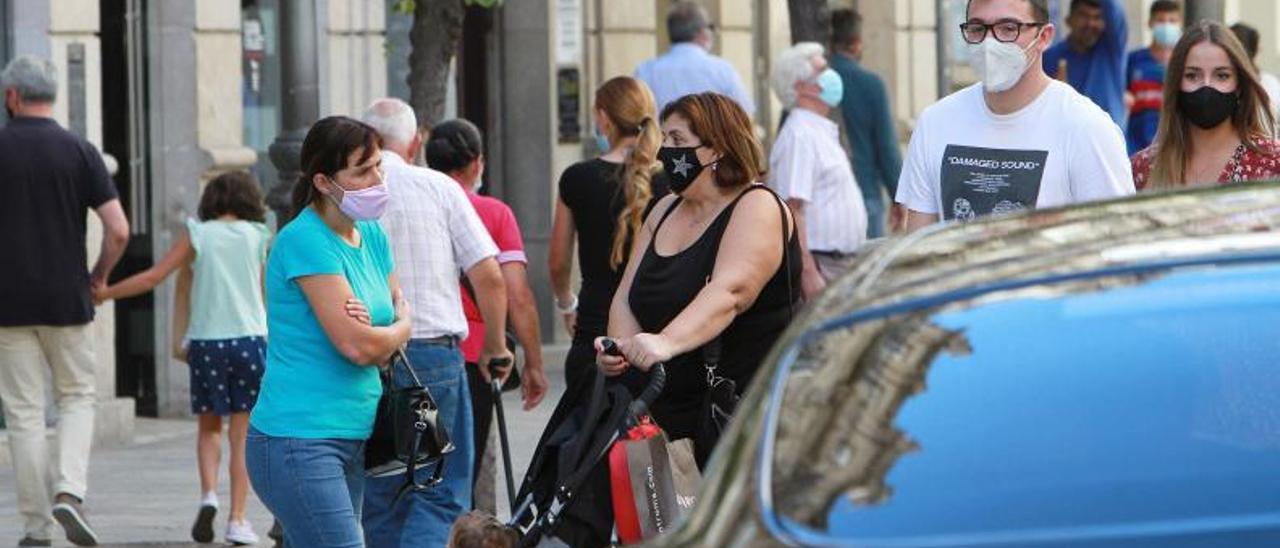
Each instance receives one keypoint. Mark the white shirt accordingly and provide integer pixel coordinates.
(1272, 86)
(435, 236)
(687, 69)
(807, 163)
(965, 161)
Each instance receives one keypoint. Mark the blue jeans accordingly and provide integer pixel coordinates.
(423, 518)
(313, 486)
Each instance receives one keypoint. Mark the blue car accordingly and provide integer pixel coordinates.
(1104, 375)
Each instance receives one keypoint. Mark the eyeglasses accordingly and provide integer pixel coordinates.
(1004, 31)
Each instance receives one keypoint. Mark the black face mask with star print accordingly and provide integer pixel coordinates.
(682, 166)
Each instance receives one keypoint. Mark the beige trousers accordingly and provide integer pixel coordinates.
(25, 353)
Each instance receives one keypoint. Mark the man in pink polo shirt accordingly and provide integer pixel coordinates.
(456, 148)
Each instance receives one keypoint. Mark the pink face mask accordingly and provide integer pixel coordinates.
(366, 204)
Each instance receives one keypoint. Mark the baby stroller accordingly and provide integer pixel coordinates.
(565, 497)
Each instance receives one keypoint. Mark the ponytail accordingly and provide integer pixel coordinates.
(637, 189)
(303, 195)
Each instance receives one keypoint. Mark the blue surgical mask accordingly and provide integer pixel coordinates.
(832, 87)
(1167, 34)
(602, 142)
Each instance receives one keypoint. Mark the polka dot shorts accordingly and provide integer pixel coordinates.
(226, 374)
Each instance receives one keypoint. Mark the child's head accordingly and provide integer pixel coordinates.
(479, 530)
(235, 193)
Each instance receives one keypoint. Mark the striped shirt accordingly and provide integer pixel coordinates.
(435, 236)
(808, 164)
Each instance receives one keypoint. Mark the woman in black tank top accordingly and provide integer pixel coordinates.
(601, 206)
(720, 262)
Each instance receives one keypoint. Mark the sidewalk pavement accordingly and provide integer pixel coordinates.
(147, 493)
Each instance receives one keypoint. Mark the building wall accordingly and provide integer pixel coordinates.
(1263, 15)
(353, 62)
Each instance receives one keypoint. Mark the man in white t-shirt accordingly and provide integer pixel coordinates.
(1019, 139)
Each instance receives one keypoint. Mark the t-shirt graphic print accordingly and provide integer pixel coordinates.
(965, 161)
(980, 181)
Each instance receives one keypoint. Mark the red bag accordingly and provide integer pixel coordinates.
(652, 481)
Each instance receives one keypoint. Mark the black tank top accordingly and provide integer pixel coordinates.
(664, 286)
(592, 190)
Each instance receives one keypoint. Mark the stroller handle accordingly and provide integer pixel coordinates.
(657, 381)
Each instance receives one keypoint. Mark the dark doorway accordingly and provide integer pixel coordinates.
(473, 70)
(124, 101)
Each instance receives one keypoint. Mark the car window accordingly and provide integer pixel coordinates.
(1096, 404)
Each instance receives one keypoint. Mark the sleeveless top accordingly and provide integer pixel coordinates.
(665, 285)
(226, 295)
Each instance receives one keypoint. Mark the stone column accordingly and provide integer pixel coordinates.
(525, 131)
(300, 105)
(901, 45)
(735, 41)
(1204, 9)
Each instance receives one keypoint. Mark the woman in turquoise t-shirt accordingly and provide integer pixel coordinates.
(224, 334)
(321, 389)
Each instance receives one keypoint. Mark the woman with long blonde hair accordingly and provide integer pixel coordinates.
(1216, 126)
(601, 207)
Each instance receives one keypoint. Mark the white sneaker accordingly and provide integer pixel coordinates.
(240, 533)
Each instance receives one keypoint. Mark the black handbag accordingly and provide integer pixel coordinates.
(407, 434)
(718, 404)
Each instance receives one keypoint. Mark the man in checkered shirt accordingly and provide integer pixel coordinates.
(436, 236)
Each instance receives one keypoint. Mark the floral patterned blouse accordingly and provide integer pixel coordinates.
(1245, 165)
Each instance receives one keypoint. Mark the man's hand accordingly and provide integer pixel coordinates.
(180, 352)
(99, 295)
(812, 283)
(503, 359)
(897, 218)
(533, 386)
(97, 282)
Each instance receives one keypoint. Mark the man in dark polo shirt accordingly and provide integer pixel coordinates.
(49, 180)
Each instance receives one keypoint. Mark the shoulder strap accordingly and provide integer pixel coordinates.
(711, 350)
(671, 208)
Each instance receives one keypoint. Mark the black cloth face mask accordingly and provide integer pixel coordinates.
(1207, 107)
(682, 166)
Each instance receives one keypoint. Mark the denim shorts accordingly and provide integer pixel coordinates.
(226, 374)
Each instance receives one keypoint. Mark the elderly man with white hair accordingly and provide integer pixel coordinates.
(810, 170)
(435, 235)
